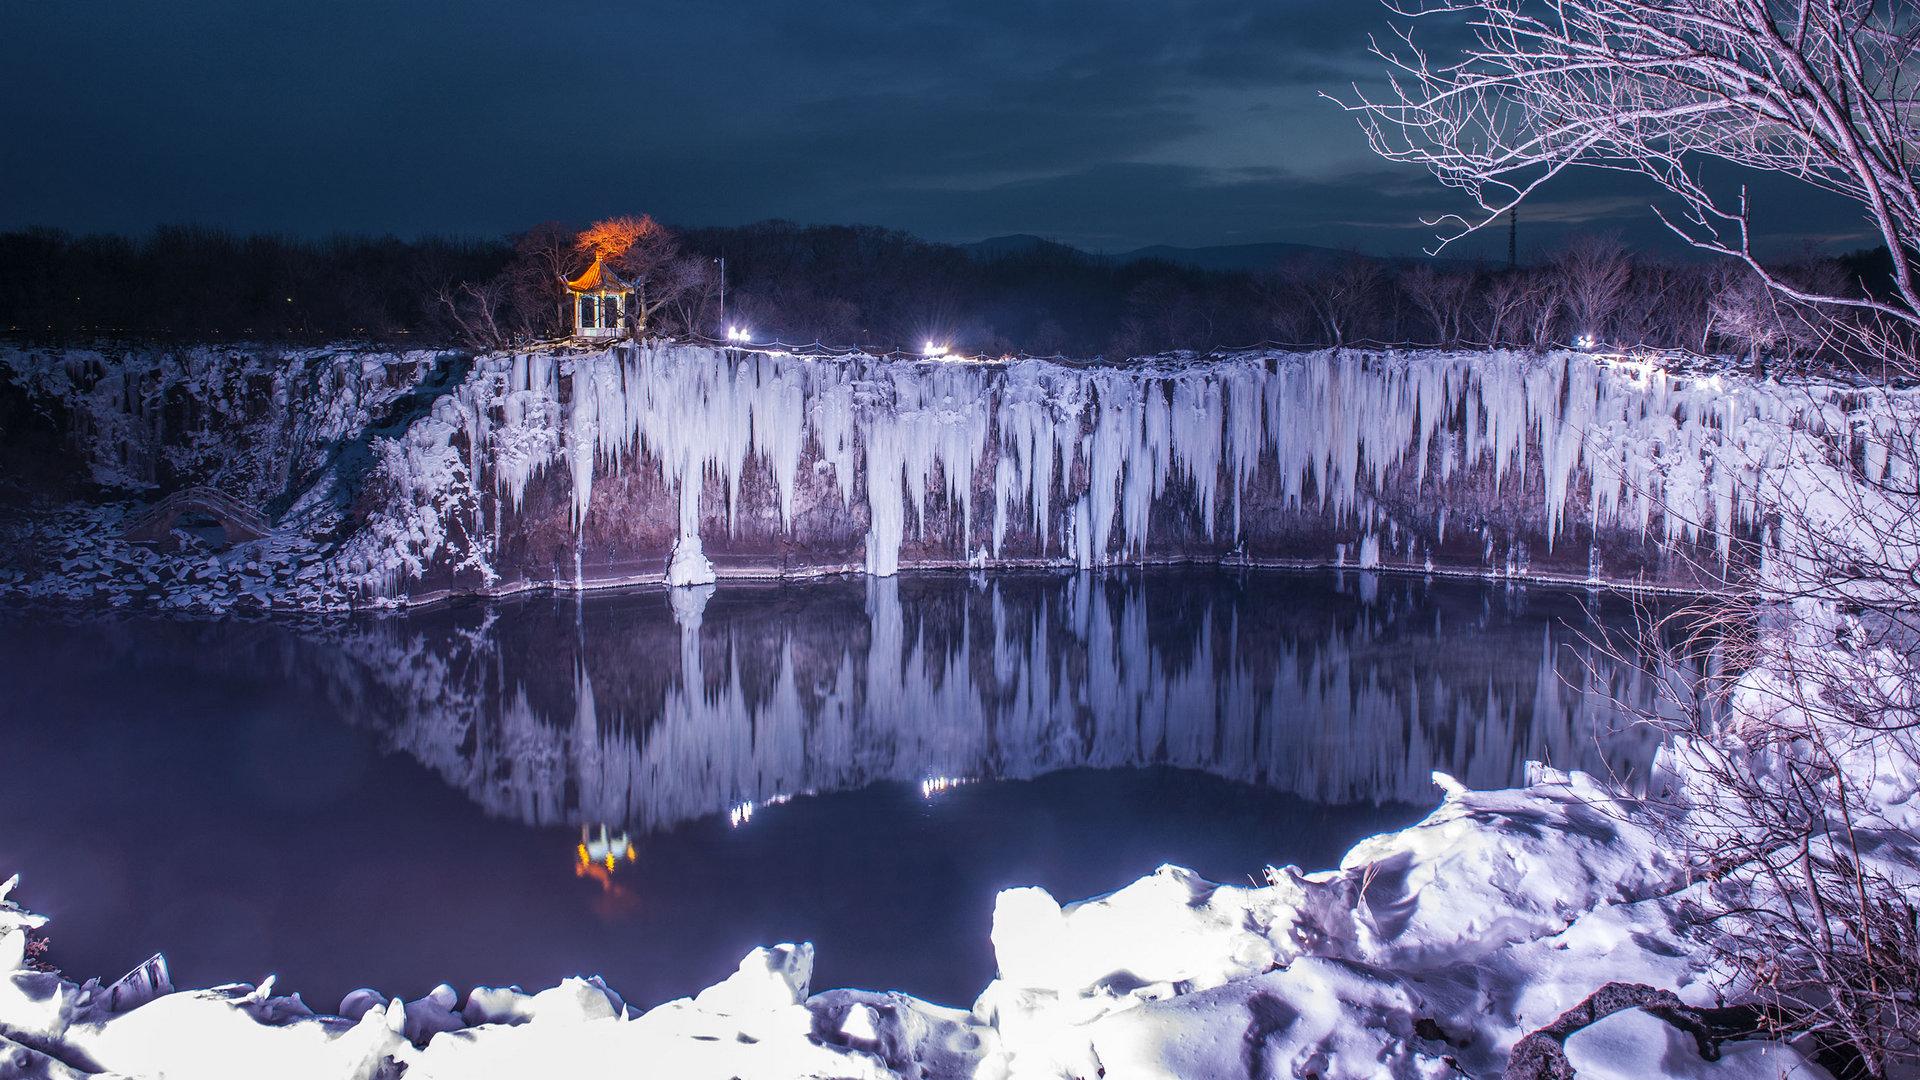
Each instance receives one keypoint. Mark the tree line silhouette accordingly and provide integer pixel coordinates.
(882, 290)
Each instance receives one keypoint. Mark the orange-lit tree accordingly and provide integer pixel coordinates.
(644, 252)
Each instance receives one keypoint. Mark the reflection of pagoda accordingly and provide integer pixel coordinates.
(598, 857)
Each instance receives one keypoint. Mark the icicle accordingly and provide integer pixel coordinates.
(1077, 462)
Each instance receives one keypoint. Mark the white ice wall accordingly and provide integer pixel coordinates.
(1670, 457)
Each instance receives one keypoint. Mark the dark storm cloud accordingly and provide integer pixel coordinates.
(1110, 125)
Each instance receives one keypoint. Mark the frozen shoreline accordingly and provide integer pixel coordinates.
(1427, 953)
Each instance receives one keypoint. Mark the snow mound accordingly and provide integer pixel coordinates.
(1317, 1018)
(1489, 869)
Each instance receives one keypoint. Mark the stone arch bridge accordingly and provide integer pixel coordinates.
(155, 524)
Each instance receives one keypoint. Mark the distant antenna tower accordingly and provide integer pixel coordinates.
(1513, 237)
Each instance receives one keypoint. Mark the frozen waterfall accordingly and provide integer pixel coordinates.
(948, 463)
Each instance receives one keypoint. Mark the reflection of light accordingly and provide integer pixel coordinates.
(743, 813)
(934, 785)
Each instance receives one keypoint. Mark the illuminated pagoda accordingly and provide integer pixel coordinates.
(599, 302)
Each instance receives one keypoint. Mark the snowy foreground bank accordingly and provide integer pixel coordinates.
(1428, 953)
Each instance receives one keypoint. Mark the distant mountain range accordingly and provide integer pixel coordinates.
(1222, 257)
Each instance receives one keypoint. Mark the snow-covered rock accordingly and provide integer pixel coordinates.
(287, 433)
(229, 1033)
(756, 1023)
(1632, 1045)
(1490, 869)
(1444, 941)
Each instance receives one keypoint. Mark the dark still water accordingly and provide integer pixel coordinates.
(439, 796)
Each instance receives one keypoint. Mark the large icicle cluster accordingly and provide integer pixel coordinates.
(1082, 462)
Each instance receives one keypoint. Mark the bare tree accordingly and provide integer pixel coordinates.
(1815, 914)
(691, 307)
(612, 238)
(1504, 304)
(645, 253)
(1593, 271)
(1284, 315)
(478, 312)
(1339, 292)
(1817, 90)
(1818, 624)
(1442, 296)
(1546, 296)
(1164, 314)
(543, 258)
(1745, 311)
(1666, 306)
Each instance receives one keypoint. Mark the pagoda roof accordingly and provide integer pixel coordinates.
(599, 278)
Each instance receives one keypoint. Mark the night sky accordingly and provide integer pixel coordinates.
(1105, 125)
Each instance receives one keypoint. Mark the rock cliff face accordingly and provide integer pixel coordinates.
(397, 478)
(259, 424)
(89, 437)
(680, 464)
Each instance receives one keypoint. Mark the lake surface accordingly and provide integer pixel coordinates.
(646, 785)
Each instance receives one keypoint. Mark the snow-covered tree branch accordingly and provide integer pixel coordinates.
(1820, 91)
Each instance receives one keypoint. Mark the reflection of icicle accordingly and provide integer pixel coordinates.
(1011, 680)
(690, 607)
